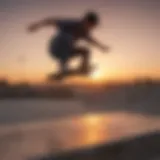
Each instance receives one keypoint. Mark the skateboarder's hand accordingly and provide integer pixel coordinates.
(105, 48)
(33, 27)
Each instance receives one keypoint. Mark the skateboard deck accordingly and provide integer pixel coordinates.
(69, 73)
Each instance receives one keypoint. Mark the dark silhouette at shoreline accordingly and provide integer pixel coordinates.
(25, 90)
(140, 96)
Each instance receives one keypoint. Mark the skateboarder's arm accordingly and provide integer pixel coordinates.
(96, 43)
(42, 23)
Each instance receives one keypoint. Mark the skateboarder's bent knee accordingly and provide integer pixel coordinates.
(83, 51)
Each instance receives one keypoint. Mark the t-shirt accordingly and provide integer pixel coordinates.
(73, 28)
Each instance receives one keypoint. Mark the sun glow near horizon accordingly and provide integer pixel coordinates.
(96, 74)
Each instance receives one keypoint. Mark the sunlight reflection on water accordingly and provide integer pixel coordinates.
(22, 141)
(99, 128)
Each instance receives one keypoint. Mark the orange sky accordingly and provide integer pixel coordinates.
(129, 27)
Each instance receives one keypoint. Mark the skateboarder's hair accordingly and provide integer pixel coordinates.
(91, 17)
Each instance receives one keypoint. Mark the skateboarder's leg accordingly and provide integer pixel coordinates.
(63, 65)
(61, 50)
(84, 54)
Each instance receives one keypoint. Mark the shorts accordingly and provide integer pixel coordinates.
(61, 46)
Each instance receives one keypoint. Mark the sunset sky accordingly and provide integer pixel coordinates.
(130, 27)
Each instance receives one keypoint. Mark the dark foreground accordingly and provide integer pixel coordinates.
(144, 147)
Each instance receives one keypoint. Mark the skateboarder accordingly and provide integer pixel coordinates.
(63, 46)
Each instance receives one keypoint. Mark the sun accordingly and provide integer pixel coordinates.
(96, 75)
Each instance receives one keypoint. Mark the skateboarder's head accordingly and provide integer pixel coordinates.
(91, 20)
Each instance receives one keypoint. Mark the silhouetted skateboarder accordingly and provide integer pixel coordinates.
(63, 45)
